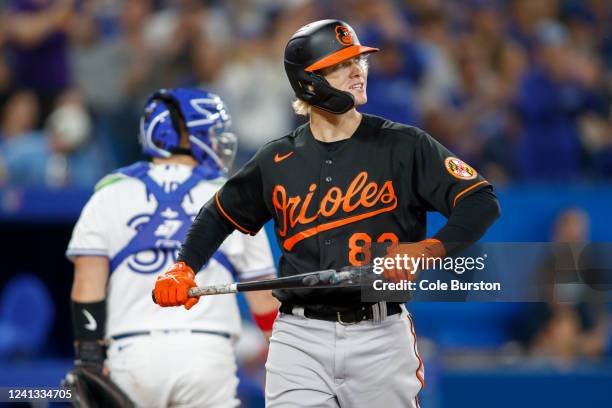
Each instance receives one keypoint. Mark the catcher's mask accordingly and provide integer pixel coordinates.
(204, 115)
(94, 390)
(317, 46)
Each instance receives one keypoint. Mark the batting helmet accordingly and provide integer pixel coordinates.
(204, 115)
(317, 46)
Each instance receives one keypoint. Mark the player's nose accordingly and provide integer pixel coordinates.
(356, 69)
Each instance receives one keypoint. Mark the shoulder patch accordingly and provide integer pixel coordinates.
(459, 169)
(108, 180)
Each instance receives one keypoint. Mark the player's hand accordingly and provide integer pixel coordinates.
(426, 249)
(172, 288)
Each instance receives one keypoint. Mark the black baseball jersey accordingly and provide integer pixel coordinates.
(329, 204)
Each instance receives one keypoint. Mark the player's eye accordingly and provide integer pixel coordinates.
(360, 59)
(348, 63)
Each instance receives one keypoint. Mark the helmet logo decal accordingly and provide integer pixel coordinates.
(343, 35)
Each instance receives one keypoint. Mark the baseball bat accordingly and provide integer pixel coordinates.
(322, 279)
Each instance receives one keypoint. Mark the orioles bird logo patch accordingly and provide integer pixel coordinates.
(459, 169)
(343, 35)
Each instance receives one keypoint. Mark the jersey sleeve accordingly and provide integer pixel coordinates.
(241, 201)
(90, 234)
(254, 258)
(440, 178)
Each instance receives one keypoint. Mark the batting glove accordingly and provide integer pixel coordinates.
(172, 288)
(426, 249)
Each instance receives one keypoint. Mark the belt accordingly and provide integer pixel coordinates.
(345, 317)
(169, 331)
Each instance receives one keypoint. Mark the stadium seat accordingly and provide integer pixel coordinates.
(464, 325)
(26, 315)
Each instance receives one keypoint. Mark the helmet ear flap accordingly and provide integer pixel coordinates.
(157, 131)
(328, 98)
(314, 89)
(307, 91)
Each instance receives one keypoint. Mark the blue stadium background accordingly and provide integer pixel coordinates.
(520, 89)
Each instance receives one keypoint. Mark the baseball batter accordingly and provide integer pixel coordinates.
(334, 186)
(130, 231)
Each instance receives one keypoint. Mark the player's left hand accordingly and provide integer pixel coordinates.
(172, 288)
(428, 248)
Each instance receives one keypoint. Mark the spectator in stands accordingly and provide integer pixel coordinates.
(5, 72)
(72, 160)
(551, 97)
(394, 77)
(525, 15)
(19, 139)
(391, 93)
(37, 37)
(56, 157)
(441, 78)
(572, 323)
(598, 131)
(189, 38)
(587, 37)
(518, 87)
(250, 84)
(116, 73)
(498, 150)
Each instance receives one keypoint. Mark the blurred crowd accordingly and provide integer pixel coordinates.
(573, 321)
(521, 89)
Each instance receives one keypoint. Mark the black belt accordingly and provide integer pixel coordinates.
(169, 331)
(345, 316)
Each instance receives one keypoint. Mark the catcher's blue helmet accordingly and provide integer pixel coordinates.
(205, 117)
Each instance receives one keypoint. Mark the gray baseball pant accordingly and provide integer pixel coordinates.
(316, 363)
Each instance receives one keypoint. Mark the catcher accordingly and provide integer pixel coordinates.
(129, 232)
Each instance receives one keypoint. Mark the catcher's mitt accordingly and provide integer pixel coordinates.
(94, 390)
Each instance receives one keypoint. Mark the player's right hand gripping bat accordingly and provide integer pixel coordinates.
(345, 277)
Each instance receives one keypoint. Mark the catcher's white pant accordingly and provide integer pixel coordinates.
(175, 369)
(316, 363)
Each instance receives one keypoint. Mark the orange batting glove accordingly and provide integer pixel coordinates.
(172, 287)
(423, 250)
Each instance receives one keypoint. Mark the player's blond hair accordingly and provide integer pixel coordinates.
(300, 107)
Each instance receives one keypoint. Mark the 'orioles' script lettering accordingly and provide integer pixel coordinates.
(291, 211)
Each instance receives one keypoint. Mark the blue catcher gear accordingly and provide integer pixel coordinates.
(203, 114)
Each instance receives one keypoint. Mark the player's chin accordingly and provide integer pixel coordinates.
(360, 97)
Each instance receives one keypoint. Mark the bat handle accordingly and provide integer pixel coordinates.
(190, 294)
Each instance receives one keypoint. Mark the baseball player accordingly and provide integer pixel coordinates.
(130, 231)
(334, 186)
